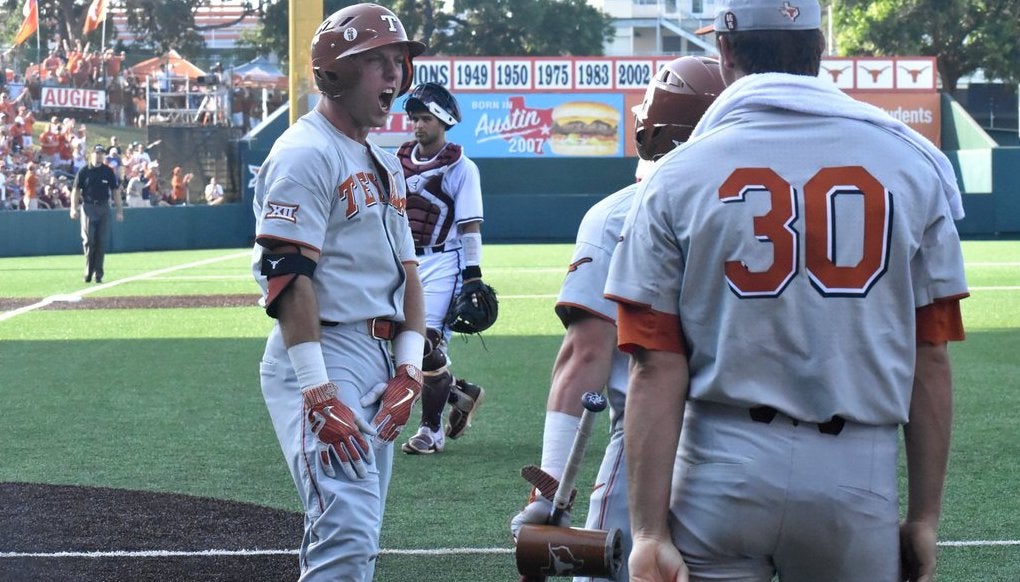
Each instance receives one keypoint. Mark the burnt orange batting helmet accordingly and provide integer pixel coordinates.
(350, 31)
(675, 100)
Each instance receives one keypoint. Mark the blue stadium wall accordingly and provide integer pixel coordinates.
(526, 200)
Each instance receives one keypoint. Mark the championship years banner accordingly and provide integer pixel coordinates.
(581, 106)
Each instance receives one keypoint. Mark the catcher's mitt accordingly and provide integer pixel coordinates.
(475, 308)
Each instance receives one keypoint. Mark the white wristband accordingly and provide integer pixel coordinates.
(310, 367)
(558, 438)
(472, 242)
(409, 348)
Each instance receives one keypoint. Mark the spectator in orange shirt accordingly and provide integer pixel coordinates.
(179, 186)
(49, 144)
(52, 62)
(17, 135)
(6, 106)
(30, 188)
(28, 117)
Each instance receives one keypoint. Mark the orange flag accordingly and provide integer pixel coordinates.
(31, 23)
(95, 16)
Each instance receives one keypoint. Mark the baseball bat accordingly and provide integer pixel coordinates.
(593, 402)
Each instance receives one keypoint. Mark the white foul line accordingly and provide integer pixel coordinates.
(255, 552)
(88, 291)
(395, 552)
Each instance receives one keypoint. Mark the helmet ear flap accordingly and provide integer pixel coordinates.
(408, 75)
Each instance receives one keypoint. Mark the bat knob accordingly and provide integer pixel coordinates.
(594, 401)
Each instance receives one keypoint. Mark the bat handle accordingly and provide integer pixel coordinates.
(562, 498)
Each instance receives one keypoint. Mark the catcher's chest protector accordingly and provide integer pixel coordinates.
(430, 210)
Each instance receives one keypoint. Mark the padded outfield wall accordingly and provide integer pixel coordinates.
(526, 199)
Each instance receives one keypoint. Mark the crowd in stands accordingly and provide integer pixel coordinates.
(39, 174)
(83, 67)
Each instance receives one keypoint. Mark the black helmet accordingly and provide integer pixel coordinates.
(435, 99)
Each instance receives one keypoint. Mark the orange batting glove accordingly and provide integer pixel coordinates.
(398, 398)
(339, 430)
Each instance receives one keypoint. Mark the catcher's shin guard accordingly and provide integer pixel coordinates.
(437, 380)
(465, 399)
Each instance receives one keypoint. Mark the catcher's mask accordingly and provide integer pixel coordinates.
(435, 99)
(675, 100)
(353, 30)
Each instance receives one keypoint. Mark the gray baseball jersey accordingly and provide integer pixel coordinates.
(322, 190)
(582, 290)
(332, 199)
(792, 250)
(589, 267)
(750, 259)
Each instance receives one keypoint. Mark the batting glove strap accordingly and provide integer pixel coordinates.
(413, 373)
(318, 395)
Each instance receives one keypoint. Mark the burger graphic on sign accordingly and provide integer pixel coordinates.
(585, 128)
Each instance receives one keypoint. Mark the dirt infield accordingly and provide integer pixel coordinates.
(51, 519)
(139, 302)
(90, 534)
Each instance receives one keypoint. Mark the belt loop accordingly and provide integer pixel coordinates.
(833, 427)
(763, 414)
(419, 251)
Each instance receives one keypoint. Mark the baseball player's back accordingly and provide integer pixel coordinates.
(788, 283)
(763, 255)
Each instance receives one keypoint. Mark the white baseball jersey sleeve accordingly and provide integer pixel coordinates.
(795, 282)
(320, 189)
(589, 267)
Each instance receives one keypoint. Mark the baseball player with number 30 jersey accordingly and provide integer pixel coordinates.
(787, 282)
(336, 263)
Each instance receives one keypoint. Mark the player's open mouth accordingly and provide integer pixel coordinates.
(386, 99)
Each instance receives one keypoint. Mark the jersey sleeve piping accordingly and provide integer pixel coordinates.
(269, 241)
(564, 311)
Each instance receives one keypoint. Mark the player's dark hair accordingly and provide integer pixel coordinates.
(798, 52)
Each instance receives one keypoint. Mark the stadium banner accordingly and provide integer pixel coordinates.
(554, 106)
(513, 125)
(72, 98)
(921, 111)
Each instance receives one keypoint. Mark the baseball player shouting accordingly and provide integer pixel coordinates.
(336, 263)
(787, 281)
(444, 207)
(588, 359)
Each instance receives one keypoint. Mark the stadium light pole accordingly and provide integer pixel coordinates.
(305, 17)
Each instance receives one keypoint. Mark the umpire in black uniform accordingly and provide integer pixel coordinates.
(95, 183)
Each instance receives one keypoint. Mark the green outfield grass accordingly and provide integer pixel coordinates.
(169, 400)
